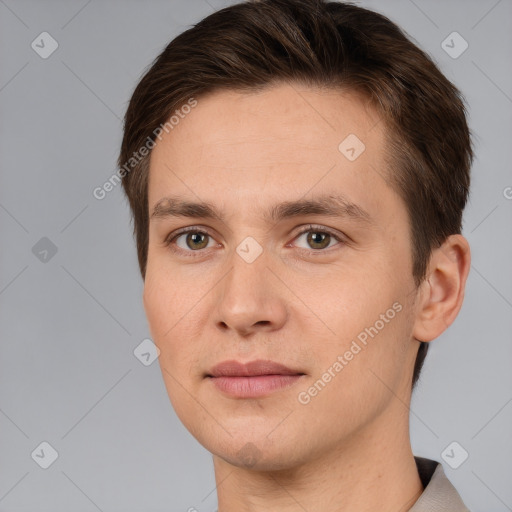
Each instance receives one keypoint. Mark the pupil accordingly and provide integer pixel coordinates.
(318, 238)
(197, 238)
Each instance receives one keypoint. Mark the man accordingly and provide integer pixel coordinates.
(297, 172)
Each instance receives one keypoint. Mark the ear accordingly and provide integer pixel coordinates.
(442, 292)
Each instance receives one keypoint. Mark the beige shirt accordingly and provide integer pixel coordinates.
(439, 494)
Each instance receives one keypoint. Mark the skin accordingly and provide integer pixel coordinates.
(348, 449)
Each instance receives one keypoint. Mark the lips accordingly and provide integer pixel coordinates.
(254, 379)
(251, 369)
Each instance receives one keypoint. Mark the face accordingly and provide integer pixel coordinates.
(302, 259)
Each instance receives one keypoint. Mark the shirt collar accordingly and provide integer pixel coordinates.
(438, 495)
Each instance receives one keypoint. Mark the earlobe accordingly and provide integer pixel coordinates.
(442, 291)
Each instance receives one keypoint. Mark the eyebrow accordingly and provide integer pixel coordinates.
(329, 205)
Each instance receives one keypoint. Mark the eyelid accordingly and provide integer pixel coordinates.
(174, 234)
(340, 238)
(168, 242)
(321, 229)
(205, 231)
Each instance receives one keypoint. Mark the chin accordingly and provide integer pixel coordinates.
(257, 453)
(250, 456)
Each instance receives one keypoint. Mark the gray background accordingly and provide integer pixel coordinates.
(71, 321)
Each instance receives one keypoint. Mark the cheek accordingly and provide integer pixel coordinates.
(353, 297)
(163, 309)
(371, 370)
(157, 299)
(172, 308)
(167, 297)
(369, 316)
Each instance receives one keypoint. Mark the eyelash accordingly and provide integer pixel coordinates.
(168, 242)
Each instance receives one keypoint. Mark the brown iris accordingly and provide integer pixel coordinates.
(197, 238)
(316, 237)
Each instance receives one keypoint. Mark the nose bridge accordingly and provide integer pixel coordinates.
(248, 296)
(248, 280)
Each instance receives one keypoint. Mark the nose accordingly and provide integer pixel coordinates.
(251, 298)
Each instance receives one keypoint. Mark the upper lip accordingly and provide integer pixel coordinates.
(234, 368)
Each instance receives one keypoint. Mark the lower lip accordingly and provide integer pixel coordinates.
(253, 387)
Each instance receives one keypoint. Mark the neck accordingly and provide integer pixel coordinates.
(370, 472)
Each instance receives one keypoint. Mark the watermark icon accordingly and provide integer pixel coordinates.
(351, 147)
(44, 250)
(304, 397)
(249, 249)
(44, 455)
(44, 45)
(507, 192)
(454, 455)
(454, 45)
(146, 352)
(137, 156)
(249, 454)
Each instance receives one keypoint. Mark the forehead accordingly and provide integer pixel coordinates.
(283, 141)
(280, 116)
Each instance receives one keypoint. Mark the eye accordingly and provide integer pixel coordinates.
(318, 238)
(192, 241)
(189, 240)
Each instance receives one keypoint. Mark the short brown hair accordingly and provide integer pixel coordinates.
(254, 44)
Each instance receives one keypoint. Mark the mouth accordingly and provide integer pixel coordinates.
(253, 379)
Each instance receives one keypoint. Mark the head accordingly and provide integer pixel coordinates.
(272, 116)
